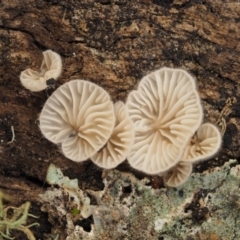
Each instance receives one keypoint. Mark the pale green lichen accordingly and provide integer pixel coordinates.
(81, 201)
(207, 206)
(16, 220)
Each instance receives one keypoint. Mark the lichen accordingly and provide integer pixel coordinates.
(15, 220)
(207, 206)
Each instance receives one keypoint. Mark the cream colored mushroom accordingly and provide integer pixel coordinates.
(80, 116)
(178, 174)
(204, 144)
(120, 141)
(166, 112)
(51, 68)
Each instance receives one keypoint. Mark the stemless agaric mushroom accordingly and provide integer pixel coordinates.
(204, 144)
(178, 174)
(80, 116)
(50, 69)
(166, 112)
(120, 141)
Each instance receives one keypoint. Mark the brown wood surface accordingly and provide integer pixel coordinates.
(113, 43)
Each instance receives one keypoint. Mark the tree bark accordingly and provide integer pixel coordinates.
(113, 43)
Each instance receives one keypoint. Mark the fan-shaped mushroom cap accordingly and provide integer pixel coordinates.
(166, 112)
(204, 144)
(51, 68)
(120, 141)
(178, 174)
(80, 116)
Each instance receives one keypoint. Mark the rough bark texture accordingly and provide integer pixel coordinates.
(113, 43)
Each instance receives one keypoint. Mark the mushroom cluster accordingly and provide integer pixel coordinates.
(167, 115)
(81, 117)
(158, 130)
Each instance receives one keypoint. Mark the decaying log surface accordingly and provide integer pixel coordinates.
(113, 43)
